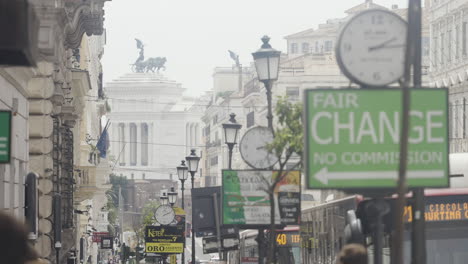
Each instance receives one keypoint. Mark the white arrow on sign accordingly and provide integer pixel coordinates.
(324, 175)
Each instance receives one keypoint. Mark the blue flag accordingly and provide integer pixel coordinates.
(103, 142)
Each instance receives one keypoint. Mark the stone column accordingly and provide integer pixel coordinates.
(151, 139)
(127, 144)
(138, 145)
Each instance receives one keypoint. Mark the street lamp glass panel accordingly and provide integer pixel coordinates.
(164, 200)
(192, 161)
(267, 61)
(182, 171)
(231, 130)
(172, 195)
(267, 68)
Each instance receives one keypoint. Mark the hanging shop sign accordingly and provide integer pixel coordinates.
(5, 136)
(164, 239)
(246, 202)
(353, 138)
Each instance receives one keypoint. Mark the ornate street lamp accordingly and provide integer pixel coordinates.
(231, 130)
(183, 175)
(172, 195)
(193, 161)
(267, 62)
(164, 200)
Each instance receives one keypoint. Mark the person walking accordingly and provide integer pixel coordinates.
(14, 245)
(352, 254)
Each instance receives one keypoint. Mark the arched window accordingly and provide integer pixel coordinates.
(121, 144)
(144, 144)
(133, 144)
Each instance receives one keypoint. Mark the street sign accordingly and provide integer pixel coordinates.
(164, 239)
(247, 204)
(228, 242)
(97, 236)
(5, 136)
(353, 136)
(107, 242)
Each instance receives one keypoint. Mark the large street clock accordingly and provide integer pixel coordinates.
(253, 148)
(371, 48)
(164, 214)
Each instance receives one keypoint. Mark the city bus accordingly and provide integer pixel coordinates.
(446, 215)
(287, 247)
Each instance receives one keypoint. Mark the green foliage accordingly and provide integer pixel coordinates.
(289, 135)
(147, 214)
(113, 195)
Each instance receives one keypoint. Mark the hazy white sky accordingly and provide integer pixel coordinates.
(194, 35)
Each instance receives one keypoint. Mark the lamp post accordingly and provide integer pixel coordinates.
(231, 130)
(192, 161)
(182, 173)
(267, 62)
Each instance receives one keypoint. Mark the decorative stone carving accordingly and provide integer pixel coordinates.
(41, 164)
(45, 226)
(42, 107)
(43, 245)
(40, 146)
(41, 88)
(84, 17)
(40, 126)
(45, 186)
(45, 210)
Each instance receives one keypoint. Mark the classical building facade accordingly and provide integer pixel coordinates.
(449, 64)
(153, 125)
(48, 102)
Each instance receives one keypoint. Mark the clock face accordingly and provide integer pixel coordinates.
(164, 214)
(371, 48)
(253, 148)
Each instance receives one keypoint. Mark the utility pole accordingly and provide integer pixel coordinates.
(413, 58)
(418, 235)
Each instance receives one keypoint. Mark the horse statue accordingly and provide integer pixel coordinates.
(157, 63)
(151, 64)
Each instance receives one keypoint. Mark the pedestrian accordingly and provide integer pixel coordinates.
(352, 254)
(14, 245)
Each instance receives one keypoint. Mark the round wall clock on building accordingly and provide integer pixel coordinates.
(253, 148)
(371, 48)
(164, 214)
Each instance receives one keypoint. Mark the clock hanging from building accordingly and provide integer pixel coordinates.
(371, 48)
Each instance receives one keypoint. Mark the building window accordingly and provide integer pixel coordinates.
(250, 119)
(464, 33)
(457, 41)
(316, 47)
(294, 48)
(449, 46)
(425, 46)
(455, 119)
(121, 144)
(144, 144)
(328, 45)
(435, 59)
(305, 47)
(215, 119)
(292, 93)
(442, 51)
(133, 144)
(214, 161)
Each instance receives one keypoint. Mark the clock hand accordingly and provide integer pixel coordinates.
(382, 45)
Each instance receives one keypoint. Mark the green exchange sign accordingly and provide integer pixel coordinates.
(5, 136)
(353, 136)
